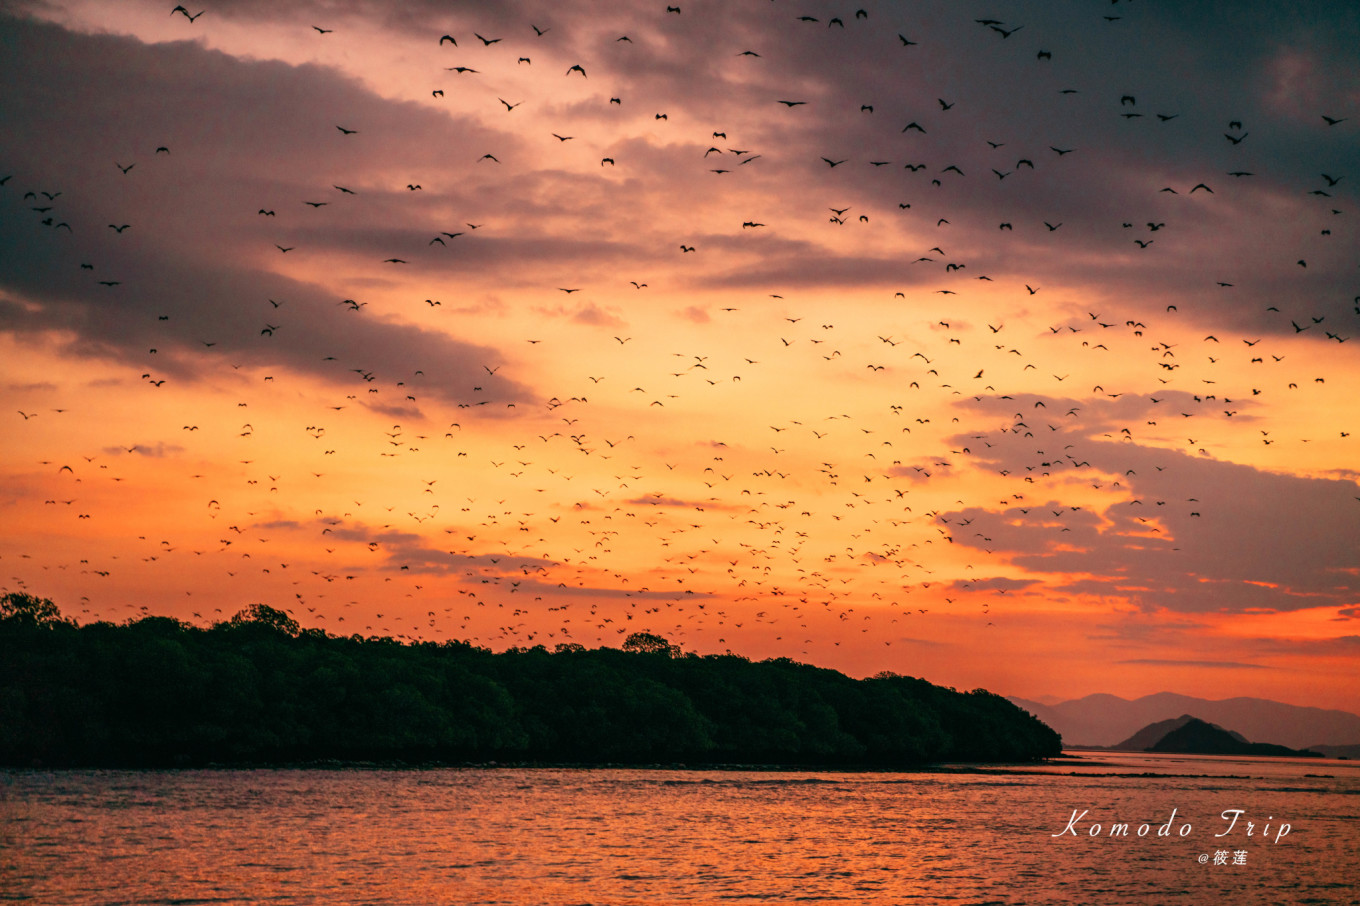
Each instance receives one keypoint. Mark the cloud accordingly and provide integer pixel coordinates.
(193, 269)
(367, 535)
(1211, 665)
(1178, 533)
(659, 500)
(562, 589)
(409, 413)
(585, 313)
(996, 583)
(157, 450)
(430, 560)
(411, 551)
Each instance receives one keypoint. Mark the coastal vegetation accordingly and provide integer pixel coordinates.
(258, 688)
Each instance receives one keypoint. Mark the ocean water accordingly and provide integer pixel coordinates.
(607, 836)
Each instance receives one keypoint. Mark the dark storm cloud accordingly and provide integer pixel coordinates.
(1276, 76)
(174, 290)
(422, 18)
(318, 335)
(1122, 153)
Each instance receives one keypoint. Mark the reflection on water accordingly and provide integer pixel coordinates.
(615, 836)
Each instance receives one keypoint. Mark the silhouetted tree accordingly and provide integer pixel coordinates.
(650, 643)
(30, 610)
(264, 615)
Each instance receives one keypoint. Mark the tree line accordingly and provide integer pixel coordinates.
(258, 688)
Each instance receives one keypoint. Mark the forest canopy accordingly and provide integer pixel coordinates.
(257, 688)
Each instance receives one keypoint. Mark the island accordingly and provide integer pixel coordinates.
(260, 689)
(1187, 735)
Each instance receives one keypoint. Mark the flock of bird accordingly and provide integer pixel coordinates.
(880, 389)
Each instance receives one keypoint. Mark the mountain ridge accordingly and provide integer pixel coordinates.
(1102, 719)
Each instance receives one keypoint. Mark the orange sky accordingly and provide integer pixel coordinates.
(1003, 368)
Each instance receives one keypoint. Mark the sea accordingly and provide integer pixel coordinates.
(1090, 828)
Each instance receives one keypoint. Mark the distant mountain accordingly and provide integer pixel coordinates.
(1196, 737)
(1351, 752)
(1149, 736)
(1105, 720)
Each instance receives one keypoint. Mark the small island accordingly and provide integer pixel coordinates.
(259, 689)
(1188, 735)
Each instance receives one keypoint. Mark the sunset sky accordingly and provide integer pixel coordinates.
(1010, 346)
